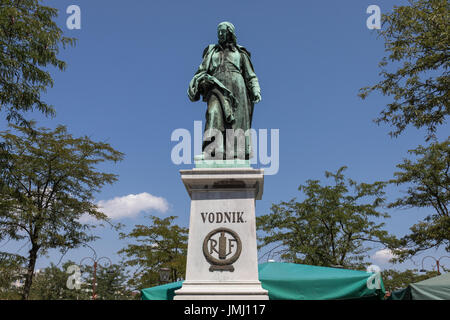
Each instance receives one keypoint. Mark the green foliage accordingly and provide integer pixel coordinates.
(110, 282)
(160, 245)
(417, 42)
(428, 181)
(30, 42)
(11, 271)
(48, 181)
(51, 284)
(330, 227)
(396, 280)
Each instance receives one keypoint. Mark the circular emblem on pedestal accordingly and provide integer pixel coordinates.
(222, 247)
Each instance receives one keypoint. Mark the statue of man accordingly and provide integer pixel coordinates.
(227, 82)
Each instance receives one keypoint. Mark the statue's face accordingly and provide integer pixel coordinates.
(222, 33)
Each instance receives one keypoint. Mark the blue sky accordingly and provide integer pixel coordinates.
(127, 78)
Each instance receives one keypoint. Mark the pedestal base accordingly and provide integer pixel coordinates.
(222, 262)
(239, 290)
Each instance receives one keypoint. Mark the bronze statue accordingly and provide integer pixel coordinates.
(227, 82)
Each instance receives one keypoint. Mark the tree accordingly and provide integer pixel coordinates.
(330, 227)
(30, 42)
(415, 72)
(396, 280)
(11, 273)
(110, 282)
(51, 284)
(160, 245)
(428, 181)
(48, 181)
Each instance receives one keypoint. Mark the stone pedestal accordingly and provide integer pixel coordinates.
(222, 259)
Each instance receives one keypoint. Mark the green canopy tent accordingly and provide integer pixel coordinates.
(289, 281)
(436, 288)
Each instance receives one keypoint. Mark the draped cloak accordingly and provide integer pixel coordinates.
(228, 74)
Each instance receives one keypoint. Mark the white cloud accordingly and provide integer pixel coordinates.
(131, 205)
(383, 256)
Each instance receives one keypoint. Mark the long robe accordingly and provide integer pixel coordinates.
(226, 75)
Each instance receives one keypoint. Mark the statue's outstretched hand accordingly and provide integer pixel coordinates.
(256, 97)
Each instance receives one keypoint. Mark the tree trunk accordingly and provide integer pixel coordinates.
(30, 272)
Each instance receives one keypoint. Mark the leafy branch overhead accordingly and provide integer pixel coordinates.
(30, 41)
(416, 71)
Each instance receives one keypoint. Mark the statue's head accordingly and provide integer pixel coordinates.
(225, 32)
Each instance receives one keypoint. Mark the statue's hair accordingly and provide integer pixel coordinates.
(232, 37)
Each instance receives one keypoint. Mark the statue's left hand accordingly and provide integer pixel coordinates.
(256, 97)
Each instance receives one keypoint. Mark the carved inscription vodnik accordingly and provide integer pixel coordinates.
(223, 217)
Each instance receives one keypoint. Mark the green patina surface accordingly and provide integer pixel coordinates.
(228, 84)
(236, 163)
